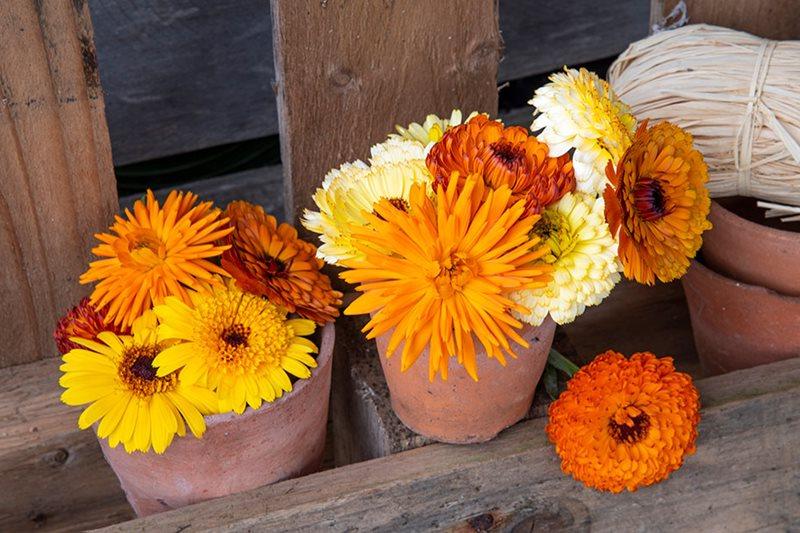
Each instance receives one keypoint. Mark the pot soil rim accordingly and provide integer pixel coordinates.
(750, 227)
(716, 276)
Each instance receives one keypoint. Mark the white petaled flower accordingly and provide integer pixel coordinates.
(579, 110)
(396, 150)
(584, 259)
(349, 193)
(432, 129)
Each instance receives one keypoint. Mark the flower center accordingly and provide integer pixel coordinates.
(629, 425)
(650, 200)
(397, 203)
(137, 372)
(273, 267)
(236, 335)
(454, 274)
(553, 230)
(141, 248)
(507, 153)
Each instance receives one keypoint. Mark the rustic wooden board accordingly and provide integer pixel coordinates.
(348, 71)
(181, 76)
(56, 180)
(743, 477)
(773, 19)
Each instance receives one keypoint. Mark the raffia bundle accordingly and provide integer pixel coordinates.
(739, 95)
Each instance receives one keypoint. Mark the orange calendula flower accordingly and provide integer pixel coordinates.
(153, 252)
(625, 423)
(267, 259)
(440, 271)
(658, 203)
(85, 322)
(503, 156)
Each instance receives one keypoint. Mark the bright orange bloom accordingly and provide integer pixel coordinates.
(658, 203)
(82, 321)
(440, 271)
(503, 156)
(154, 252)
(267, 259)
(625, 423)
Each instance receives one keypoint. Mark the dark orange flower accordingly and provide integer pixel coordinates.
(503, 156)
(268, 259)
(625, 423)
(658, 203)
(82, 321)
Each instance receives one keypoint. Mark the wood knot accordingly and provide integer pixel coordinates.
(483, 53)
(343, 79)
(57, 457)
(482, 522)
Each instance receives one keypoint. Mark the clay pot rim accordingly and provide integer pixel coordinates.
(749, 226)
(325, 353)
(707, 272)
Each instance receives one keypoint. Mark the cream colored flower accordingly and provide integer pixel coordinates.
(579, 110)
(584, 258)
(396, 150)
(350, 192)
(432, 129)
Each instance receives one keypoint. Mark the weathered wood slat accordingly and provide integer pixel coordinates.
(57, 183)
(743, 477)
(181, 76)
(773, 19)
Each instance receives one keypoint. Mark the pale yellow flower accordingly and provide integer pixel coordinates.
(432, 129)
(583, 256)
(579, 110)
(396, 150)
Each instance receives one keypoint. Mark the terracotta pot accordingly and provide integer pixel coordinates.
(736, 325)
(751, 252)
(461, 410)
(280, 440)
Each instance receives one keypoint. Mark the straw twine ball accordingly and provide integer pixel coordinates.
(739, 95)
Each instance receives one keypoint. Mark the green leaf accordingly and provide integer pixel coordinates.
(550, 379)
(562, 363)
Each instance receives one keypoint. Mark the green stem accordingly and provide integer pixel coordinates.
(562, 363)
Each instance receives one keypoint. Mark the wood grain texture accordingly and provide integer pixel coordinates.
(743, 477)
(773, 19)
(348, 71)
(57, 186)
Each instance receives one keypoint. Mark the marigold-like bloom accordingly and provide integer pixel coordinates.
(658, 203)
(624, 424)
(439, 271)
(82, 321)
(584, 259)
(349, 193)
(503, 156)
(238, 344)
(431, 130)
(153, 252)
(133, 406)
(579, 110)
(267, 259)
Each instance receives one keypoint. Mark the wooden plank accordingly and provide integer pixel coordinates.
(546, 35)
(773, 19)
(57, 185)
(743, 477)
(348, 71)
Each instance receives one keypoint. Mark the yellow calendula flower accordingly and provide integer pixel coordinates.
(238, 343)
(583, 257)
(431, 129)
(133, 405)
(579, 110)
(349, 193)
(396, 150)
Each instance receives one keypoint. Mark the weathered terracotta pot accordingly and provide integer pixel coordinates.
(752, 252)
(461, 410)
(736, 325)
(280, 440)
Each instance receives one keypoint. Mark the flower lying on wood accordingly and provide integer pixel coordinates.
(130, 402)
(657, 203)
(82, 321)
(267, 259)
(577, 110)
(153, 252)
(238, 344)
(437, 273)
(431, 130)
(625, 423)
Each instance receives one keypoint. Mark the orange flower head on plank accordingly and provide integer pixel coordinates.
(82, 321)
(267, 259)
(503, 156)
(625, 423)
(156, 251)
(439, 271)
(657, 203)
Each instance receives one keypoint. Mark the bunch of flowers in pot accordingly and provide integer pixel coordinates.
(469, 240)
(201, 321)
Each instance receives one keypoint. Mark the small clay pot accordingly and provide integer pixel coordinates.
(281, 440)
(461, 410)
(736, 325)
(752, 253)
